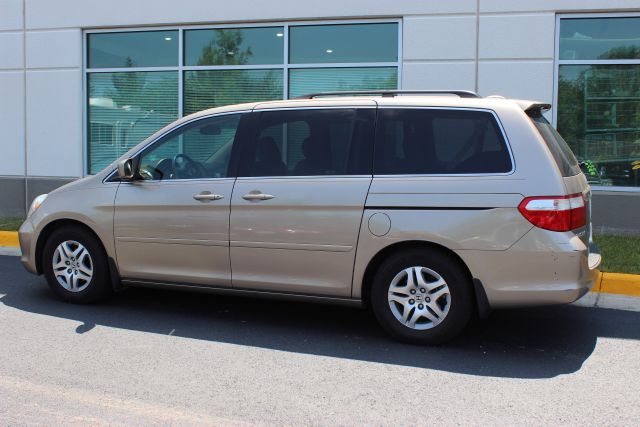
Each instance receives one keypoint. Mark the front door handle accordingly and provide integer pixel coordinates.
(256, 196)
(207, 196)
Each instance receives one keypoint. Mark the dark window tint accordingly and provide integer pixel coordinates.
(560, 150)
(434, 141)
(311, 142)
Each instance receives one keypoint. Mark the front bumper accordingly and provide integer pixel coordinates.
(28, 246)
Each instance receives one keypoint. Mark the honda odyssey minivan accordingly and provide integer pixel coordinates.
(428, 207)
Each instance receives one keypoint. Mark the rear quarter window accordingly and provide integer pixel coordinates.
(439, 141)
(560, 150)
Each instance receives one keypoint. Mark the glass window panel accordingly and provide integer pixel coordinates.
(133, 49)
(343, 43)
(435, 141)
(234, 46)
(124, 108)
(197, 150)
(560, 150)
(599, 116)
(600, 38)
(311, 80)
(214, 88)
(311, 142)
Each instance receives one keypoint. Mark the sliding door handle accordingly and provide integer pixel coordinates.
(257, 196)
(206, 196)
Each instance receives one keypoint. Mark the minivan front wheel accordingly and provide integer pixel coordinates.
(72, 266)
(422, 296)
(75, 265)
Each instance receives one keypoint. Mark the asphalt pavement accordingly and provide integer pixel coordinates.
(150, 357)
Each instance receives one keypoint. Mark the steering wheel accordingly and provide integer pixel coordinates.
(184, 167)
(145, 173)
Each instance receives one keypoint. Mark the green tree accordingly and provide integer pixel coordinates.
(571, 111)
(127, 86)
(225, 49)
(622, 52)
(214, 88)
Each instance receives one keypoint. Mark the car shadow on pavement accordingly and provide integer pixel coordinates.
(525, 343)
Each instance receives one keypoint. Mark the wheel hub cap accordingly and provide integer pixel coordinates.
(419, 298)
(72, 266)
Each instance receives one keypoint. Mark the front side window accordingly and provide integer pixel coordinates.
(438, 141)
(311, 143)
(197, 150)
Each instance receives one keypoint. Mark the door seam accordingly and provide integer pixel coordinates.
(364, 206)
(233, 188)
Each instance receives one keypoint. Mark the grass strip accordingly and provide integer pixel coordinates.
(10, 224)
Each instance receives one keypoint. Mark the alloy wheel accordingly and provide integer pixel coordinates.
(419, 298)
(72, 266)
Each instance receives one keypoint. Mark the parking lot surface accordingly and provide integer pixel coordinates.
(160, 357)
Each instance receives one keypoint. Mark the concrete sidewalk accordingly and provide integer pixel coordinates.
(612, 290)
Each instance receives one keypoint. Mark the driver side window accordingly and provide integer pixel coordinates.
(201, 149)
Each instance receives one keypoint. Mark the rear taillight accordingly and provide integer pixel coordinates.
(555, 213)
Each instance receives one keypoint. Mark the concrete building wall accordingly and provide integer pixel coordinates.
(491, 46)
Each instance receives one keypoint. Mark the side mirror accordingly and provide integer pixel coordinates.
(127, 169)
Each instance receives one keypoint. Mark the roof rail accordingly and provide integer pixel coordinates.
(392, 93)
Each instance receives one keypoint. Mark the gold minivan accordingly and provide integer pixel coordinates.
(427, 207)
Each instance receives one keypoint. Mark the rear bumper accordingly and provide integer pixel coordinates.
(542, 268)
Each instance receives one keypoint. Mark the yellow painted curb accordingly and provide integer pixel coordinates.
(598, 285)
(621, 284)
(9, 238)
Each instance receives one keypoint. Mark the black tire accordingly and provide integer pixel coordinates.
(456, 278)
(99, 287)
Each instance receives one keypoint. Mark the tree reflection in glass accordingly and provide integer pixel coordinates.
(215, 88)
(599, 116)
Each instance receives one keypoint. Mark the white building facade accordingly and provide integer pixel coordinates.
(82, 81)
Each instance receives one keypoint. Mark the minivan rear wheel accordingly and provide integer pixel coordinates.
(75, 266)
(422, 296)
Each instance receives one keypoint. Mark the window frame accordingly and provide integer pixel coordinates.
(557, 62)
(238, 142)
(185, 127)
(181, 68)
(251, 137)
(503, 133)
